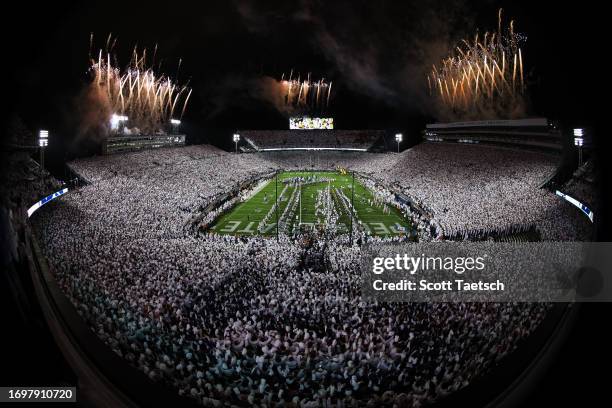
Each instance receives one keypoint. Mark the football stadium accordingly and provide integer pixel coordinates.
(170, 269)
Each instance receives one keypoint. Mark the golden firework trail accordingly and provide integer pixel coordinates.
(480, 71)
(149, 100)
(306, 95)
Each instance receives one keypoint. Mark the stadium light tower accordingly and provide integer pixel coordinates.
(116, 120)
(398, 139)
(43, 141)
(579, 142)
(236, 139)
(175, 125)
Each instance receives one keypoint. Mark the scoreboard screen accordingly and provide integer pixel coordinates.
(306, 122)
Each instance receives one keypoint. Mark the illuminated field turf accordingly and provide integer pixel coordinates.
(246, 216)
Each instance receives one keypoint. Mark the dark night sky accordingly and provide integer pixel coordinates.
(376, 52)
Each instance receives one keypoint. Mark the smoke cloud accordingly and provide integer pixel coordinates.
(93, 109)
(245, 91)
(382, 50)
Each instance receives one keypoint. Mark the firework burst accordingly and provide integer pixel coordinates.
(149, 100)
(484, 74)
(305, 95)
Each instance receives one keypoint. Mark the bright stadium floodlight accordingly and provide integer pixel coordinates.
(398, 139)
(43, 138)
(175, 123)
(116, 120)
(43, 141)
(579, 142)
(236, 139)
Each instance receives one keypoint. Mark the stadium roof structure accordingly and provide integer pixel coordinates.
(528, 122)
(529, 133)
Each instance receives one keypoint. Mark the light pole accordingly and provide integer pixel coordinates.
(276, 201)
(175, 125)
(352, 204)
(236, 139)
(43, 141)
(579, 142)
(116, 120)
(398, 139)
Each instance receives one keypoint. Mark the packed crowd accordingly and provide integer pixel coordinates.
(21, 184)
(473, 189)
(252, 320)
(464, 191)
(354, 139)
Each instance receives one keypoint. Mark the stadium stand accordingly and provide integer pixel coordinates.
(582, 186)
(252, 320)
(534, 133)
(119, 144)
(312, 139)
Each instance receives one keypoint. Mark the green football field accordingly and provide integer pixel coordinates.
(298, 202)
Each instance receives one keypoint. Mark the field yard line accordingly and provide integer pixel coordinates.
(262, 185)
